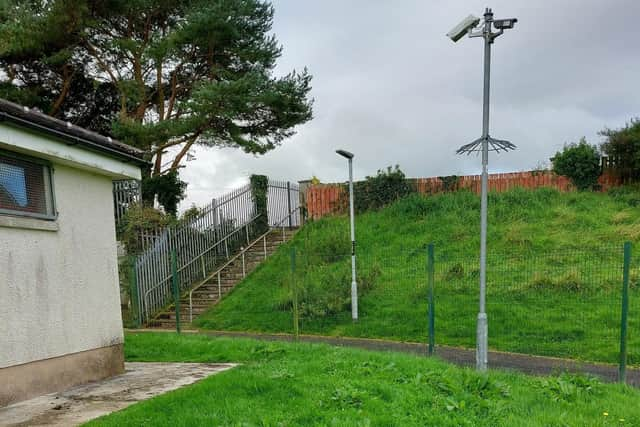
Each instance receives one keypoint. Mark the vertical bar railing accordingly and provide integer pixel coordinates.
(176, 290)
(289, 204)
(221, 229)
(133, 289)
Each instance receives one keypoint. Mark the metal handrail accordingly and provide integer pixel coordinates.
(224, 239)
(239, 254)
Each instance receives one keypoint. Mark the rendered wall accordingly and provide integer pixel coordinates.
(59, 286)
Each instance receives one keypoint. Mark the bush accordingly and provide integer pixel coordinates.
(580, 163)
(140, 220)
(169, 189)
(386, 187)
(623, 147)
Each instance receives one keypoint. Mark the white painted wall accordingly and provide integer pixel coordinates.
(59, 289)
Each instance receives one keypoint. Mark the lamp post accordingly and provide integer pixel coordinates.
(354, 286)
(484, 144)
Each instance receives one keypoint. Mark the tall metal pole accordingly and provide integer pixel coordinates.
(354, 285)
(483, 144)
(483, 327)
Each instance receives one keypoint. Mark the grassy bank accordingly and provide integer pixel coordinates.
(284, 384)
(554, 274)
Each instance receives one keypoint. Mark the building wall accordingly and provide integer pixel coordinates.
(59, 287)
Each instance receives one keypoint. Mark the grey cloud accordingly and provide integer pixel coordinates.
(393, 89)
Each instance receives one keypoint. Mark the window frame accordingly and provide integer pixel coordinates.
(48, 187)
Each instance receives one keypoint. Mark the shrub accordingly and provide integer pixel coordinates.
(378, 191)
(169, 189)
(623, 146)
(140, 220)
(580, 163)
(326, 292)
(450, 183)
(259, 188)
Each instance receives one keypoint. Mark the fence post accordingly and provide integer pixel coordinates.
(289, 203)
(294, 292)
(133, 289)
(176, 290)
(430, 278)
(622, 369)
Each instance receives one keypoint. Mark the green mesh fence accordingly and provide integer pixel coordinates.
(562, 303)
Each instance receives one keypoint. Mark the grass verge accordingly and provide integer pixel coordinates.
(288, 384)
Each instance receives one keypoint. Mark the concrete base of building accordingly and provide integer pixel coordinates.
(32, 379)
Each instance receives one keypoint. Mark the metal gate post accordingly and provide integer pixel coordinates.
(176, 291)
(289, 203)
(133, 282)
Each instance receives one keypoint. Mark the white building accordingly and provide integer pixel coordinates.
(60, 321)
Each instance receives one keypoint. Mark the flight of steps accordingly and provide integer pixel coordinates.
(209, 294)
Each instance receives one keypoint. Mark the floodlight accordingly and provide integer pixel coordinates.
(345, 154)
(504, 24)
(463, 27)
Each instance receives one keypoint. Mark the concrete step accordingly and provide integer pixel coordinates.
(206, 296)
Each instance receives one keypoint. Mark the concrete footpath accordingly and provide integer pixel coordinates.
(80, 404)
(534, 365)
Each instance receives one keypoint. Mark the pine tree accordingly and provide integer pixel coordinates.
(157, 74)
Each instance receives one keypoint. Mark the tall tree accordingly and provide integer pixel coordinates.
(164, 74)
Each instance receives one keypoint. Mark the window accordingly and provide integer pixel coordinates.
(25, 187)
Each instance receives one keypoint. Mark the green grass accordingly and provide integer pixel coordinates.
(287, 384)
(554, 274)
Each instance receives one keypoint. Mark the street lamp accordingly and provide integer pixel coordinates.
(484, 144)
(354, 286)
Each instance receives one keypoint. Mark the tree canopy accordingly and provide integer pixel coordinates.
(157, 74)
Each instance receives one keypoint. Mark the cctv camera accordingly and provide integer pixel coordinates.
(504, 24)
(463, 28)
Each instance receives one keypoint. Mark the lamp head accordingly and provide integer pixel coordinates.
(345, 154)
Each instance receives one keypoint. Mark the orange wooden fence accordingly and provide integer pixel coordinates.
(325, 199)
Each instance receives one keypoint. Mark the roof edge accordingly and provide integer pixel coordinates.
(74, 135)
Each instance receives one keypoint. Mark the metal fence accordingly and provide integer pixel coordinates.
(283, 196)
(564, 302)
(221, 230)
(125, 194)
(557, 302)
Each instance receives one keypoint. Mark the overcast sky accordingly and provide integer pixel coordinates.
(392, 88)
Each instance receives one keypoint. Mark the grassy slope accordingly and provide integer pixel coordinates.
(554, 274)
(283, 384)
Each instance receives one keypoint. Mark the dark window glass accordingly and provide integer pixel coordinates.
(25, 187)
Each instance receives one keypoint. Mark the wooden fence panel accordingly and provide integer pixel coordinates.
(326, 199)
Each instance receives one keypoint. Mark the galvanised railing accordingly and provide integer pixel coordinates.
(221, 229)
(214, 235)
(126, 193)
(283, 198)
(283, 223)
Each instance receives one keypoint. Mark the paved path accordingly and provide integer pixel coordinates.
(80, 404)
(536, 365)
